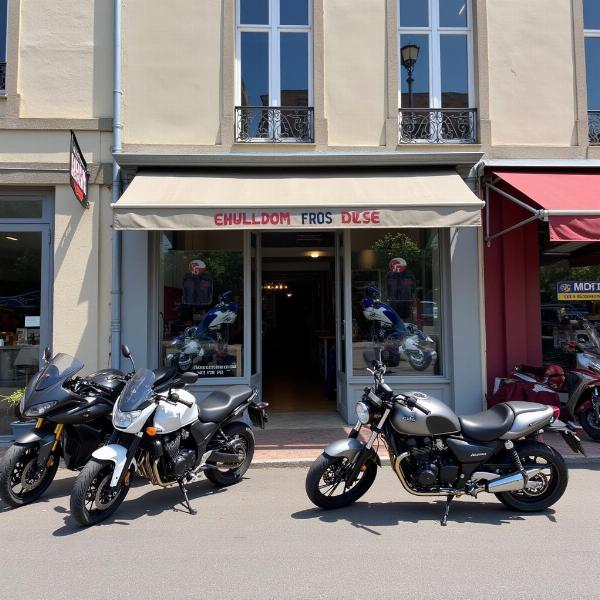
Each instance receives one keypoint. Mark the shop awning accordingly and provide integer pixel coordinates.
(568, 202)
(294, 199)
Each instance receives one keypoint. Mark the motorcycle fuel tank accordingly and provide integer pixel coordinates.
(171, 417)
(440, 421)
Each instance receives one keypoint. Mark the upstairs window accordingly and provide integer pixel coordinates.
(274, 70)
(591, 24)
(3, 36)
(435, 69)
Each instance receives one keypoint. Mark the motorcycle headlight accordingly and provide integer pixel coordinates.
(39, 409)
(122, 420)
(363, 413)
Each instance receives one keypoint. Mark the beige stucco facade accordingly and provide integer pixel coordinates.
(178, 95)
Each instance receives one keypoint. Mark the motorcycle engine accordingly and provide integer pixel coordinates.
(177, 460)
(429, 464)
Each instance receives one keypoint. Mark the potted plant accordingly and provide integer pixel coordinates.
(12, 401)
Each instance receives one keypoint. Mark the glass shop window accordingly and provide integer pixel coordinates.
(397, 301)
(201, 302)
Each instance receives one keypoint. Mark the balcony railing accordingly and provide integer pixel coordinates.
(438, 126)
(2, 75)
(291, 124)
(594, 127)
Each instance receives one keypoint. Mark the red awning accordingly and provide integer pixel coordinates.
(570, 202)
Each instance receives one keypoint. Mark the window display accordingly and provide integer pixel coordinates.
(396, 301)
(202, 282)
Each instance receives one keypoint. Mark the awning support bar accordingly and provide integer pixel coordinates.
(540, 214)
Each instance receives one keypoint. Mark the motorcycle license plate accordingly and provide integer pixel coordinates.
(258, 416)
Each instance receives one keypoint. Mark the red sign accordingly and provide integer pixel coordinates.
(78, 173)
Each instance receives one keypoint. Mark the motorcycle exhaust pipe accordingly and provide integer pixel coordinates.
(510, 483)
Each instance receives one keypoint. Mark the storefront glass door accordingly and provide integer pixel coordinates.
(256, 311)
(24, 304)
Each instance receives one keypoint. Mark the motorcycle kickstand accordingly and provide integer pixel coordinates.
(444, 520)
(187, 500)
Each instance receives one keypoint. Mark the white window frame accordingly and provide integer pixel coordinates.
(434, 32)
(3, 89)
(274, 30)
(590, 33)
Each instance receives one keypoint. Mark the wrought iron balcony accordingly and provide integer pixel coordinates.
(291, 124)
(594, 127)
(438, 126)
(2, 75)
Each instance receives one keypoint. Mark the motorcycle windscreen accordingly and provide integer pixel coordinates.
(137, 391)
(61, 367)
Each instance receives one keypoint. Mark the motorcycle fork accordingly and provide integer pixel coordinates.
(366, 451)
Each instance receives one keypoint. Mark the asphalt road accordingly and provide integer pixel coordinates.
(263, 539)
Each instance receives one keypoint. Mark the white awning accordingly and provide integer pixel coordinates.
(258, 199)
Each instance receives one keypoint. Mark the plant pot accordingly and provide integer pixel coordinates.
(21, 427)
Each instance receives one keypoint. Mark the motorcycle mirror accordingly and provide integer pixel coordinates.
(126, 352)
(189, 377)
(47, 354)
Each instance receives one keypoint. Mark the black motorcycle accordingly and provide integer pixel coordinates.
(73, 418)
(436, 453)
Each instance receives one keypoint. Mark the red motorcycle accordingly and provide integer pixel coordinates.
(581, 384)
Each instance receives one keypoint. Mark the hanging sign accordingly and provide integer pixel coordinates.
(78, 173)
(578, 290)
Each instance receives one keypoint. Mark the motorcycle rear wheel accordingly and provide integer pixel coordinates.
(243, 440)
(327, 473)
(92, 499)
(419, 360)
(551, 483)
(21, 481)
(590, 424)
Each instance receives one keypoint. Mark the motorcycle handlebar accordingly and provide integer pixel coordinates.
(414, 404)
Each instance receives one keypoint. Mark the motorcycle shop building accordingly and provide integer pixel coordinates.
(298, 249)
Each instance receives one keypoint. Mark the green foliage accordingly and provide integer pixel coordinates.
(393, 245)
(13, 400)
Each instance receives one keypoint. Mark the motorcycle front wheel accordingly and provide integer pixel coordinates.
(22, 481)
(92, 498)
(544, 489)
(326, 484)
(419, 360)
(590, 424)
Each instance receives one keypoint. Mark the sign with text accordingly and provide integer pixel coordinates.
(78, 172)
(578, 290)
(282, 218)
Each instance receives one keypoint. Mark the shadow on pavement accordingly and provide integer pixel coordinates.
(150, 504)
(366, 515)
(59, 487)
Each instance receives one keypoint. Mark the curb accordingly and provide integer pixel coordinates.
(573, 460)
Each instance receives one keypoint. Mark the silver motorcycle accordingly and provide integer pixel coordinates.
(434, 452)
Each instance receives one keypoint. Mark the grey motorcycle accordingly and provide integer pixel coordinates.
(434, 452)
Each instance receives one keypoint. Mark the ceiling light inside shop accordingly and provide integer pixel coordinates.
(12, 239)
(315, 253)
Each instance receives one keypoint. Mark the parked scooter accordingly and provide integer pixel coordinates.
(73, 419)
(395, 339)
(167, 438)
(205, 343)
(436, 453)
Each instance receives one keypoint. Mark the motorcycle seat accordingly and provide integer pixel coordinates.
(519, 408)
(538, 373)
(217, 405)
(489, 424)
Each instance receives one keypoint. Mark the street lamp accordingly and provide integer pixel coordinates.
(409, 55)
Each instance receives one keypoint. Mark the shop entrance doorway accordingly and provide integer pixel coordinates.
(298, 342)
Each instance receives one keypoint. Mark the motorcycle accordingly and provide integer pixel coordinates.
(395, 339)
(436, 453)
(581, 384)
(167, 438)
(73, 419)
(205, 343)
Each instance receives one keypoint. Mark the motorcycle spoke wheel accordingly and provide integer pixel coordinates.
(327, 481)
(590, 424)
(239, 436)
(544, 488)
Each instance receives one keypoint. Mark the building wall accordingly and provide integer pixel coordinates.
(532, 85)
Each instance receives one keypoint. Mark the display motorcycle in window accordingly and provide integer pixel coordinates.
(166, 437)
(436, 453)
(393, 338)
(206, 343)
(73, 418)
